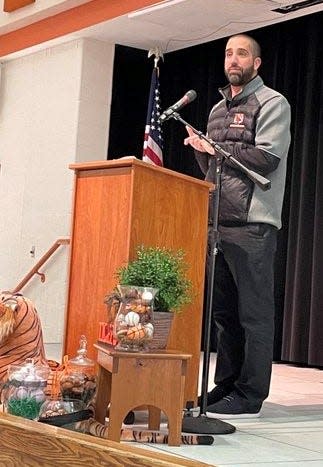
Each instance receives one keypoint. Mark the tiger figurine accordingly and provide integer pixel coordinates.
(95, 428)
(132, 434)
(21, 335)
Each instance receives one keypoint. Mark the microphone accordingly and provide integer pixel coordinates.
(189, 97)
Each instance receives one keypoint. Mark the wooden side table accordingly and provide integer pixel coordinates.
(128, 380)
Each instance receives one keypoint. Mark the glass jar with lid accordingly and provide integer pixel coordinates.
(79, 380)
(25, 389)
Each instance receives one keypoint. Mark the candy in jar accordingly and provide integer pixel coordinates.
(79, 382)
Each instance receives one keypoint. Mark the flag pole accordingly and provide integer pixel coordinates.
(153, 139)
(156, 51)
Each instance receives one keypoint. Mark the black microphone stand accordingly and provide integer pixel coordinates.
(202, 424)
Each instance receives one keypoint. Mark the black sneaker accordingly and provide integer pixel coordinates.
(129, 418)
(215, 395)
(232, 406)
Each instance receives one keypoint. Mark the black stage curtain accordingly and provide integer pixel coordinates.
(292, 64)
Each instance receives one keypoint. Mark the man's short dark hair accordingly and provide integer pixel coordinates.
(255, 47)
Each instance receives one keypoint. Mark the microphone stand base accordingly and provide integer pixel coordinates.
(206, 426)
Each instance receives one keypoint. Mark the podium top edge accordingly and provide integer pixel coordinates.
(132, 162)
(102, 164)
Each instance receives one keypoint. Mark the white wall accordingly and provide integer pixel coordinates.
(54, 110)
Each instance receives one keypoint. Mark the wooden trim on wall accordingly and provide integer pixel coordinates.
(74, 19)
(12, 5)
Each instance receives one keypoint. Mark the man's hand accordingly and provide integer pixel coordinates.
(198, 143)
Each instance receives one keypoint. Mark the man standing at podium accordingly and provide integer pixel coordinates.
(252, 123)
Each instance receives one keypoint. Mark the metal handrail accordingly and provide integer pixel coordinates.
(41, 262)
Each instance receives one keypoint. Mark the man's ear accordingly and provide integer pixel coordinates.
(257, 63)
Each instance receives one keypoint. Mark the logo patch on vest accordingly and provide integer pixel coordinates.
(238, 121)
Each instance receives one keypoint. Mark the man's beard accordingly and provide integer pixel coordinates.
(240, 78)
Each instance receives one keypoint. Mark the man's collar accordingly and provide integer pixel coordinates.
(249, 88)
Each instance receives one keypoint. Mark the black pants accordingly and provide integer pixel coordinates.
(244, 309)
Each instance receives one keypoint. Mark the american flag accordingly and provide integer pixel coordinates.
(153, 143)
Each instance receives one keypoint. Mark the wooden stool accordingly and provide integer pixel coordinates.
(128, 380)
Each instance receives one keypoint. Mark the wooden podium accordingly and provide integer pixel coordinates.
(119, 205)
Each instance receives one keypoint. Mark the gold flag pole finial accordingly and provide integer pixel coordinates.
(156, 51)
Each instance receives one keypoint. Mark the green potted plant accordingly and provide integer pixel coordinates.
(162, 269)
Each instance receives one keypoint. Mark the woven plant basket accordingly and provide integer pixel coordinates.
(162, 326)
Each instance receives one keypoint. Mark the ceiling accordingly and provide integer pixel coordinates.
(175, 24)
(183, 23)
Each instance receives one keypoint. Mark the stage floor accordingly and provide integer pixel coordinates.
(289, 432)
